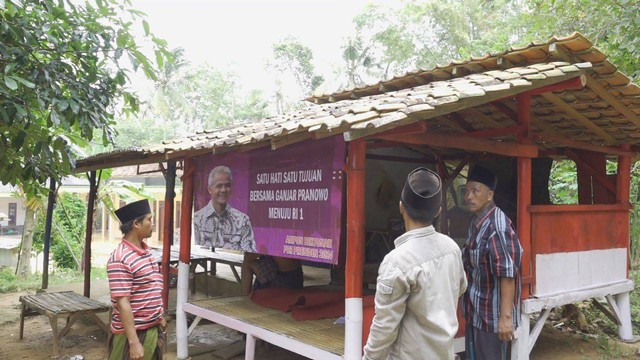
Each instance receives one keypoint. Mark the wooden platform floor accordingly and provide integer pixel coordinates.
(322, 334)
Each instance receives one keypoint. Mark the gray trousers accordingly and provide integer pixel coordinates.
(482, 345)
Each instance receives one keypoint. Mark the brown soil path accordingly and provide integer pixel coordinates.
(87, 340)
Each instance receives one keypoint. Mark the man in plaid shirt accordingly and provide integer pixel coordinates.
(492, 260)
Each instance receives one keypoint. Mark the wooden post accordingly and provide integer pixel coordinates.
(623, 182)
(186, 212)
(524, 196)
(444, 177)
(47, 233)
(169, 195)
(355, 249)
(93, 194)
(355, 219)
(623, 189)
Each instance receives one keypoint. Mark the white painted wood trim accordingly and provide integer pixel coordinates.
(353, 329)
(530, 306)
(195, 323)
(182, 332)
(558, 273)
(537, 328)
(260, 333)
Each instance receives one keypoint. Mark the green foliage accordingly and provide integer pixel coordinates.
(613, 26)
(296, 59)
(563, 182)
(135, 132)
(67, 232)
(64, 68)
(358, 58)
(208, 98)
(9, 282)
(635, 302)
(422, 34)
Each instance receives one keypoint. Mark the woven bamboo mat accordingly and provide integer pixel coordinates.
(322, 334)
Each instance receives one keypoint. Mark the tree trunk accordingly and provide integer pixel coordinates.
(24, 261)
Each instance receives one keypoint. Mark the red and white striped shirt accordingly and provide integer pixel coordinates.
(134, 272)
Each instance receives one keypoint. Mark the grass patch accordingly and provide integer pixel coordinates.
(10, 283)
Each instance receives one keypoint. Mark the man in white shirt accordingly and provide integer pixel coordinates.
(419, 282)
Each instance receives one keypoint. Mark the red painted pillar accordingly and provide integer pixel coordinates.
(353, 330)
(623, 189)
(186, 207)
(524, 198)
(623, 182)
(442, 172)
(169, 195)
(93, 194)
(355, 219)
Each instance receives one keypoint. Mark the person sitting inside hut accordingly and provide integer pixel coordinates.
(270, 272)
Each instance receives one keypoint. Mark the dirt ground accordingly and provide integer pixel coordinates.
(86, 341)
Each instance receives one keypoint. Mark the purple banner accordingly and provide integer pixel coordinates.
(286, 202)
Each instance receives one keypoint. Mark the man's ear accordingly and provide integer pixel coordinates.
(401, 207)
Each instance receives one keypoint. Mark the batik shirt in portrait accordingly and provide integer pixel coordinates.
(231, 229)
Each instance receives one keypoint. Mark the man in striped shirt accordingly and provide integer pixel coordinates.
(135, 282)
(492, 259)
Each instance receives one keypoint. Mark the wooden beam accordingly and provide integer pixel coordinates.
(583, 120)
(503, 131)
(460, 120)
(456, 172)
(288, 140)
(384, 144)
(574, 83)
(582, 145)
(395, 158)
(484, 118)
(415, 128)
(467, 143)
(594, 85)
(559, 53)
(450, 123)
(600, 178)
(540, 124)
(506, 109)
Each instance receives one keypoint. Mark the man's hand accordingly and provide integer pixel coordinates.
(136, 351)
(506, 332)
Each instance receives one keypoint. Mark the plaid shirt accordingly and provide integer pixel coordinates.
(492, 251)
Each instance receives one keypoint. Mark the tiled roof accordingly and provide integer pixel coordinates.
(462, 97)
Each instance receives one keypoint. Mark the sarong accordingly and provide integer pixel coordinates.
(152, 341)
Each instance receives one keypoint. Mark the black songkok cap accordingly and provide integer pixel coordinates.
(422, 191)
(483, 176)
(133, 211)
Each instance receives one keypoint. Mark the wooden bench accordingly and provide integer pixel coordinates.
(202, 258)
(66, 304)
(231, 259)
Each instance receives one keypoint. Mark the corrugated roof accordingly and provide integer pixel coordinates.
(461, 97)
